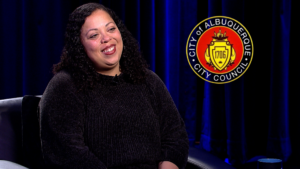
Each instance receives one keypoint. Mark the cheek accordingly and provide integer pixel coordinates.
(118, 36)
(120, 40)
(91, 46)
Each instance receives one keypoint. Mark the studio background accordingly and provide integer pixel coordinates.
(256, 115)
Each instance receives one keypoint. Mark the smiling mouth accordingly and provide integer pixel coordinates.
(109, 50)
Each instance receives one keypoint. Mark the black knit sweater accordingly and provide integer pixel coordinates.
(116, 125)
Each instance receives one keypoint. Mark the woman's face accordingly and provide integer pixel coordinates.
(102, 42)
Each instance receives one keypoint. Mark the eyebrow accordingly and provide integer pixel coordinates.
(108, 24)
(96, 28)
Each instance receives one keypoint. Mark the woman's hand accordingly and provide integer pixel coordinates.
(167, 165)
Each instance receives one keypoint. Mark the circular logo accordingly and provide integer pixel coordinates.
(219, 49)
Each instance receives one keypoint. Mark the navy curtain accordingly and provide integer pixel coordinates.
(256, 115)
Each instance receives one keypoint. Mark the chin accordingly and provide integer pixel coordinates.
(113, 62)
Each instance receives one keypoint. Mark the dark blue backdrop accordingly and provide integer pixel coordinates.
(252, 116)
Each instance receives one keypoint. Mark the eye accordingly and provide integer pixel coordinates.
(112, 29)
(94, 35)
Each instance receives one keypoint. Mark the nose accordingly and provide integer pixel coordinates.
(105, 38)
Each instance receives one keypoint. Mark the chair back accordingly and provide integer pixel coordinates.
(31, 144)
(11, 129)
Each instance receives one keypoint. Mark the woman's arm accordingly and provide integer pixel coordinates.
(62, 126)
(174, 140)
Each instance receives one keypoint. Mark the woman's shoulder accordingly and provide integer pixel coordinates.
(62, 80)
(61, 86)
(154, 80)
(152, 76)
(61, 77)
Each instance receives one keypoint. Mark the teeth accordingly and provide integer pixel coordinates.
(109, 49)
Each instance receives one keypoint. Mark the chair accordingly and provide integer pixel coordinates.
(20, 145)
(10, 130)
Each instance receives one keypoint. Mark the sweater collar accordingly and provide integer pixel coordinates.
(111, 80)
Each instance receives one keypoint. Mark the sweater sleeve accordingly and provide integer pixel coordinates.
(174, 140)
(62, 125)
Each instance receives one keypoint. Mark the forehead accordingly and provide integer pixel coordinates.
(97, 19)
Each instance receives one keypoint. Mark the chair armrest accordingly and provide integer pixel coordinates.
(10, 165)
(201, 159)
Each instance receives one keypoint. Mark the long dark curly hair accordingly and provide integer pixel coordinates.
(75, 60)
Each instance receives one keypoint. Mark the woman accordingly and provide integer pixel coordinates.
(104, 108)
